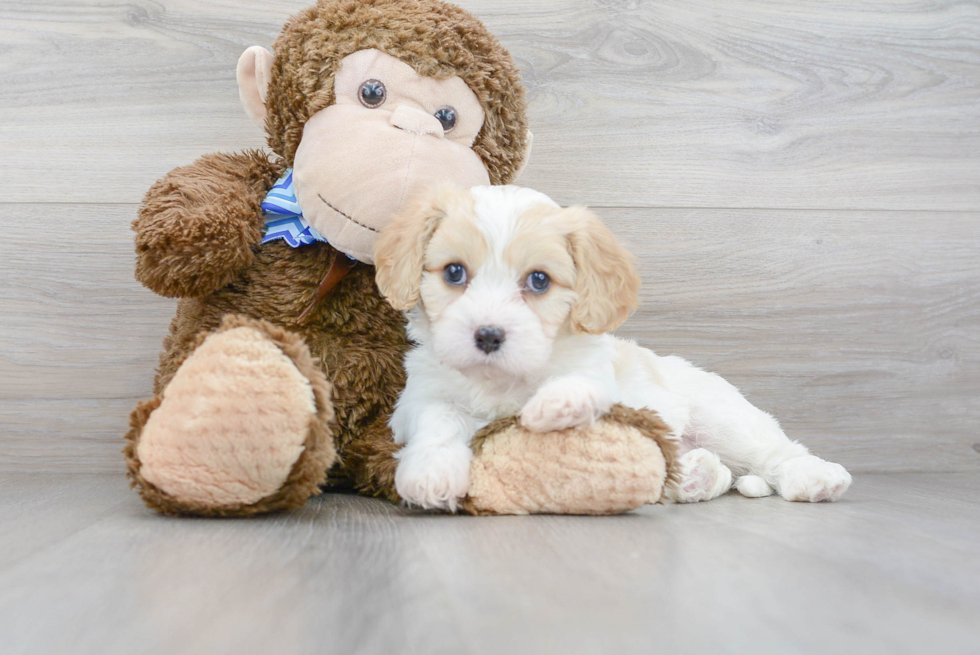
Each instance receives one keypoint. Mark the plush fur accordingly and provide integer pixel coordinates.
(198, 239)
(199, 228)
(256, 451)
(625, 461)
(465, 264)
(307, 472)
(354, 336)
(437, 39)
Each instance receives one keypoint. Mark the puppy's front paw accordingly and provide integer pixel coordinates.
(811, 479)
(562, 403)
(433, 477)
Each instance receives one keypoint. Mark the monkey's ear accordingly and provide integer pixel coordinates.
(254, 73)
(527, 155)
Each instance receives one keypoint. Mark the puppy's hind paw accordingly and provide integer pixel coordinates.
(752, 486)
(702, 477)
(811, 479)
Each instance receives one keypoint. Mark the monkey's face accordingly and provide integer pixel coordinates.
(389, 133)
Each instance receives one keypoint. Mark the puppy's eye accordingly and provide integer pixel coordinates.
(446, 116)
(454, 274)
(537, 282)
(372, 94)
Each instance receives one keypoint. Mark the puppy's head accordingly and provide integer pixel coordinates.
(500, 271)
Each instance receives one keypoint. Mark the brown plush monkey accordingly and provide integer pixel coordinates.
(282, 363)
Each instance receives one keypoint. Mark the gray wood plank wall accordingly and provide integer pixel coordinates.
(800, 180)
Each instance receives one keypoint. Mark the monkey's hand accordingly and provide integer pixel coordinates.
(197, 225)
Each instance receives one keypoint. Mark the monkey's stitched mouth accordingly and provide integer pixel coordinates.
(352, 220)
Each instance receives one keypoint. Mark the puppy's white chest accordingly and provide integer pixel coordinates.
(490, 401)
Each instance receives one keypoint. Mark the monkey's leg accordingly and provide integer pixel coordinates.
(622, 462)
(243, 427)
(370, 461)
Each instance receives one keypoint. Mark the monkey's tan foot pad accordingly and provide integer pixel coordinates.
(620, 463)
(241, 428)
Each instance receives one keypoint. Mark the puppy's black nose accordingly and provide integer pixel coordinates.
(489, 338)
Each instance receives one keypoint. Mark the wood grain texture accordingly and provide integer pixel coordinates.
(860, 331)
(79, 338)
(844, 296)
(679, 103)
(893, 568)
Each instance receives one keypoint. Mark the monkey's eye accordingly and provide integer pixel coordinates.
(537, 282)
(454, 274)
(372, 94)
(446, 116)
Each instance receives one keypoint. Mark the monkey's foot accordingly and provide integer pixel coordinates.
(620, 463)
(241, 428)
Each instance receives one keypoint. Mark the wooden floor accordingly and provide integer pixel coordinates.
(800, 180)
(894, 568)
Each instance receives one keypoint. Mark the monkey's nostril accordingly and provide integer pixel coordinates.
(489, 338)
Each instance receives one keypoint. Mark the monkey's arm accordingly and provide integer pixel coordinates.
(197, 225)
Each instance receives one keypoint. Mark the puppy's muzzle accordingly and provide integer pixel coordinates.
(489, 338)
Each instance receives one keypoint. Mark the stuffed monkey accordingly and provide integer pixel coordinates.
(283, 361)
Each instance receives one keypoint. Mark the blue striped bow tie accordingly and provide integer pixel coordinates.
(283, 216)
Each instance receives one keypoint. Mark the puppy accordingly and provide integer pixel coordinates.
(509, 298)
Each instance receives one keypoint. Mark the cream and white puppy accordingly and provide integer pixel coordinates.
(509, 298)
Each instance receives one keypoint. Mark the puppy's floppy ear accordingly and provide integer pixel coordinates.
(399, 254)
(606, 282)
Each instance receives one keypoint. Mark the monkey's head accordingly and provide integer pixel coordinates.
(371, 100)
